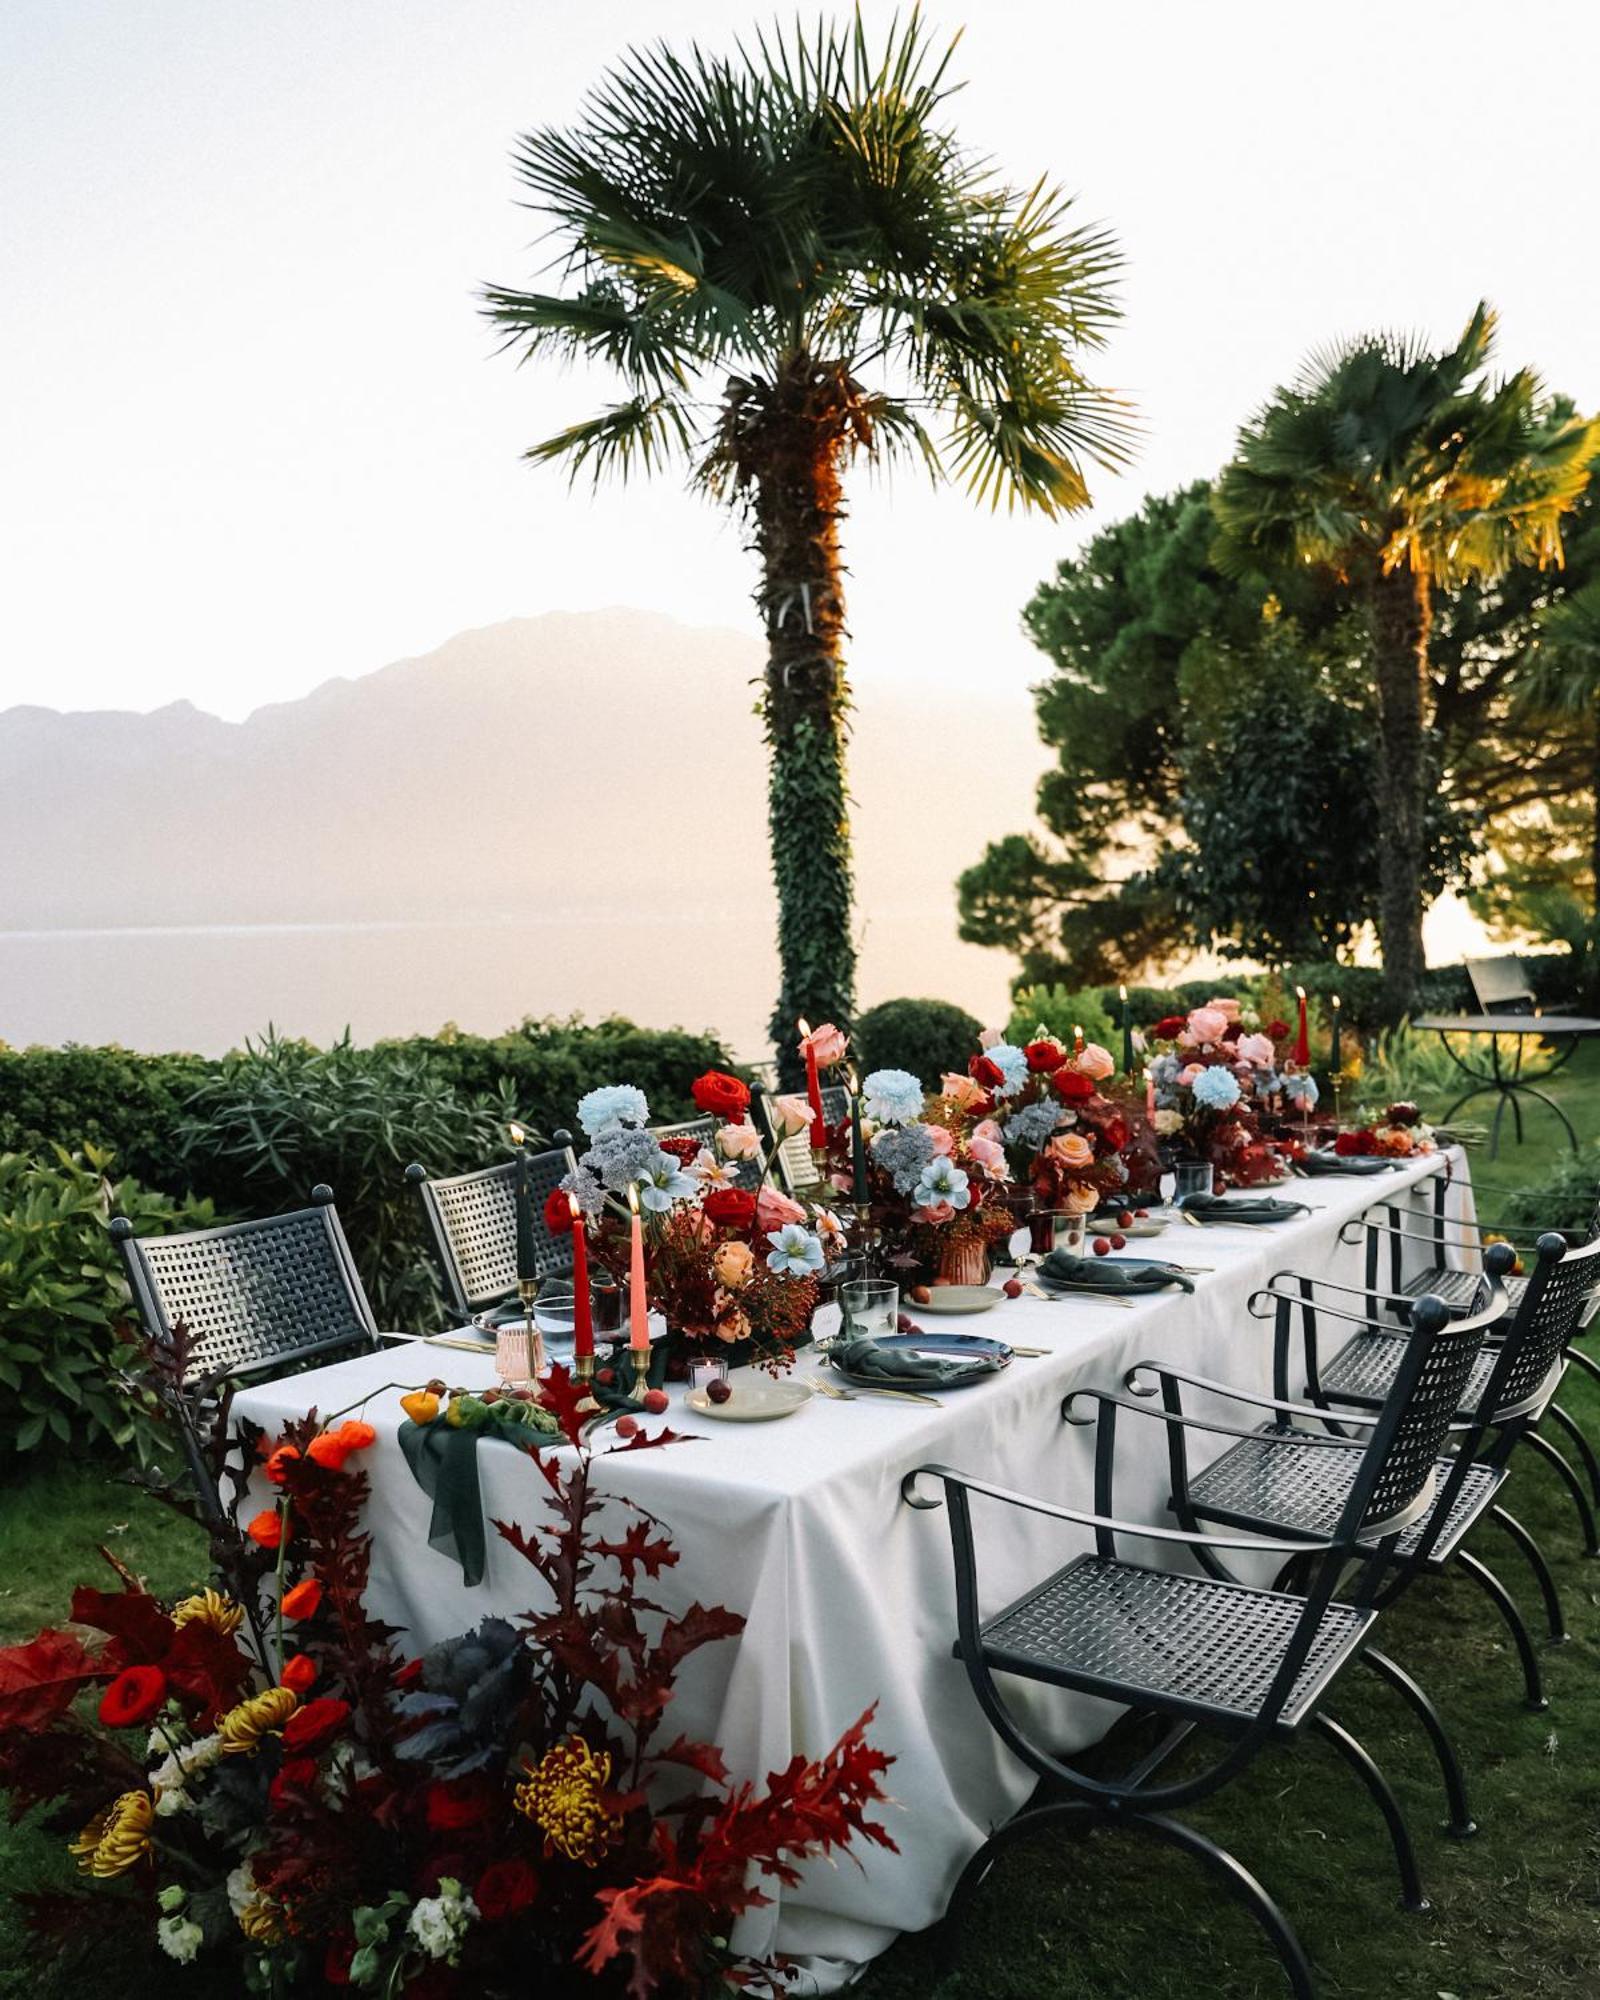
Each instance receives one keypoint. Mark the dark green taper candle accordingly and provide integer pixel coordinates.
(858, 1154)
(1127, 1033)
(527, 1253)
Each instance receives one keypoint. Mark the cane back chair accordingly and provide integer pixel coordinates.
(1251, 1665)
(472, 1225)
(794, 1160)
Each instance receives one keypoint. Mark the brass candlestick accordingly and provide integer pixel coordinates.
(583, 1375)
(641, 1373)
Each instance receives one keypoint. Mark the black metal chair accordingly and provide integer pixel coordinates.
(472, 1225)
(1253, 1665)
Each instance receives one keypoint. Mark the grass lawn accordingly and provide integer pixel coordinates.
(1516, 1911)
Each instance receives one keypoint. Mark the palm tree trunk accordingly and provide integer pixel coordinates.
(1591, 969)
(793, 450)
(1401, 615)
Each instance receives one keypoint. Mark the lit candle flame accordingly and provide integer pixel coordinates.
(576, 1206)
(1299, 992)
(517, 1133)
(1122, 992)
(633, 1196)
(1336, 1001)
(805, 1028)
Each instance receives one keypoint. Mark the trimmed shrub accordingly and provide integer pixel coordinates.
(1061, 1010)
(112, 1098)
(277, 1117)
(1563, 1199)
(67, 1349)
(926, 1037)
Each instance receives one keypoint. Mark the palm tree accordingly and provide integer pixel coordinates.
(793, 263)
(1562, 683)
(1402, 471)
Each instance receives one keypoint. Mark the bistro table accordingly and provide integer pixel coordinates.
(848, 1594)
(1510, 1084)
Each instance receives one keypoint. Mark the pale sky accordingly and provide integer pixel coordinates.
(255, 434)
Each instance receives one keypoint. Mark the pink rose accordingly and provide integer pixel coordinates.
(1229, 1009)
(1207, 1024)
(986, 1128)
(988, 1154)
(773, 1209)
(827, 1044)
(943, 1140)
(791, 1115)
(738, 1142)
(1093, 1061)
(959, 1090)
(1187, 1077)
(1255, 1049)
(989, 1036)
(1073, 1151)
(938, 1211)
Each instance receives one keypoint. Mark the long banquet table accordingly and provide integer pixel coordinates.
(848, 1594)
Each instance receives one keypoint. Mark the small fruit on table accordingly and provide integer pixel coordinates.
(1101, 1246)
(1118, 1240)
(627, 1427)
(717, 1391)
(1012, 1288)
(920, 1295)
(421, 1406)
(655, 1401)
(1141, 1214)
(1124, 1217)
(605, 1377)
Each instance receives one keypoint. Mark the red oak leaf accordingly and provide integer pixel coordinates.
(40, 1681)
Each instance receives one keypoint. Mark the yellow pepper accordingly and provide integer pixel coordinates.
(421, 1406)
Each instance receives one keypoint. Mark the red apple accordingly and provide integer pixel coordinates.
(655, 1401)
(1118, 1240)
(1101, 1247)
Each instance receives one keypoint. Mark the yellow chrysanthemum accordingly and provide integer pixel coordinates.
(115, 1840)
(563, 1796)
(242, 1728)
(261, 1922)
(211, 1608)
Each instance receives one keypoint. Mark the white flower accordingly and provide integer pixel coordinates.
(831, 1229)
(241, 1888)
(180, 1938)
(171, 1799)
(942, 1181)
(439, 1923)
(892, 1097)
(612, 1104)
(738, 1142)
(795, 1252)
(1168, 1122)
(664, 1183)
(711, 1172)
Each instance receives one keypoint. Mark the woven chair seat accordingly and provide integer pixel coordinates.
(1157, 1640)
(1459, 1288)
(1285, 1480)
(1363, 1370)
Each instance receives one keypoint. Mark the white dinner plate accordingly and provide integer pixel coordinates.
(956, 1299)
(756, 1399)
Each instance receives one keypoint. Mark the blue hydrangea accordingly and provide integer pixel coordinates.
(902, 1152)
(892, 1097)
(942, 1181)
(1301, 1090)
(1216, 1089)
(620, 1156)
(611, 1105)
(1029, 1128)
(796, 1252)
(1012, 1064)
(1165, 1071)
(591, 1195)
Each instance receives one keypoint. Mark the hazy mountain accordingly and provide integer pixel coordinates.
(602, 768)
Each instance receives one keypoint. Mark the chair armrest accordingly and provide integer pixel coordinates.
(1404, 1299)
(1141, 1403)
(1318, 1307)
(948, 1476)
(1294, 1409)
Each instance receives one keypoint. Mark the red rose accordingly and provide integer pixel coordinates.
(299, 1674)
(1071, 1087)
(503, 1888)
(1044, 1056)
(730, 1208)
(1354, 1145)
(311, 1726)
(1276, 1031)
(336, 1961)
(453, 1806)
(683, 1150)
(1115, 1132)
(1171, 1026)
(1403, 1113)
(1232, 1032)
(988, 1073)
(557, 1212)
(298, 1775)
(133, 1697)
(302, 1601)
(722, 1095)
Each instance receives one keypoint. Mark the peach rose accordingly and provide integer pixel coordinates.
(938, 1211)
(1073, 1151)
(1093, 1061)
(1255, 1049)
(986, 1128)
(1080, 1200)
(738, 1142)
(943, 1140)
(732, 1265)
(960, 1091)
(792, 1114)
(1228, 1009)
(990, 1155)
(1207, 1024)
(731, 1324)
(773, 1209)
(1187, 1077)
(827, 1043)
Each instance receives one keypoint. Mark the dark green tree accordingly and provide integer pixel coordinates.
(792, 262)
(1402, 472)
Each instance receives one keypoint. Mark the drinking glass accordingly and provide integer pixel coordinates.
(554, 1314)
(1190, 1177)
(1067, 1232)
(871, 1308)
(704, 1369)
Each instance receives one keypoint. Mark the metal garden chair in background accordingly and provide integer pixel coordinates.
(796, 1167)
(1252, 1665)
(472, 1225)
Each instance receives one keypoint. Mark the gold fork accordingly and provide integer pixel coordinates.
(849, 1395)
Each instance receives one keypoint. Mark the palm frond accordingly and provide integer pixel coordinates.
(642, 435)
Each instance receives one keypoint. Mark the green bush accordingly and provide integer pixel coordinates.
(277, 1117)
(1563, 1199)
(65, 1321)
(112, 1098)
(544, 1067)
(1061, 1010)
(926, 1037)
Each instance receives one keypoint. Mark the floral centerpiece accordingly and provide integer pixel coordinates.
(1073, 1138)
(266, 1783)
(1400, 1132)
(1217, 1081)
(733, 1263)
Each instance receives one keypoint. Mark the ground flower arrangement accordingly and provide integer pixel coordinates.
(263, 1775)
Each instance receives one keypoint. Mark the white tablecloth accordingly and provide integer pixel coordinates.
(848, 1593)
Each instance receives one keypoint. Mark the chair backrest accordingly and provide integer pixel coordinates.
(1396, 1481)
(698, 1129)
(472, 1220)
(1500, 986)
(1558, 1289)
(794, 1155)
(251, 1296)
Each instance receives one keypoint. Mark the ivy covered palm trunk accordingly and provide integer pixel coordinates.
(1400, 622)
(789, 438)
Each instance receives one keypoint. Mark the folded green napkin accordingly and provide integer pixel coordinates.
(1240, 1208)
(444, 1463)
(1337, 1163)
(1099, 1274)
(897, 1367)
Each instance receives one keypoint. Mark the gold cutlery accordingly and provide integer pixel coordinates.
(850, 1395)
(1079, 1292)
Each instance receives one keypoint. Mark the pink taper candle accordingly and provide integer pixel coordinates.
(583, 1316)
(819, 1123)
(638, 1304)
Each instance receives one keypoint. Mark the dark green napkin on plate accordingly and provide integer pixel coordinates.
(1240, 1208)
(898, 1368)
(1100, 1274)
(1323, 1162)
